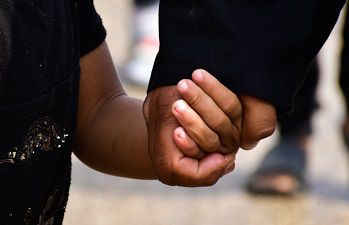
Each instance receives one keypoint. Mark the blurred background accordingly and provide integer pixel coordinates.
(98, 199)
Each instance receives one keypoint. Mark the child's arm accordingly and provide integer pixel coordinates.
(111, 135)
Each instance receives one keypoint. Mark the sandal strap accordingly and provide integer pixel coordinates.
(288, 157)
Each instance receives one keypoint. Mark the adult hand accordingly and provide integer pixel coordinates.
(211, 107)
(258, 116)
(258, 121)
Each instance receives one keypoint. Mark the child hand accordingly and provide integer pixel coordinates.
(210, 115)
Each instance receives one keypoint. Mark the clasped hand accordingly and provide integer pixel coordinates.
(196, 128)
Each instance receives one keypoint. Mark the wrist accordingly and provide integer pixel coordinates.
(159, 102)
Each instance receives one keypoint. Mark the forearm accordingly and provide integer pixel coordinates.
(115, 142)
(111, 134)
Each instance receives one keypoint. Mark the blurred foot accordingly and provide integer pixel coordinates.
(282, 171)
(138, 70)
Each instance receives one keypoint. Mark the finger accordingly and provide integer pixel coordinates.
(186, 144)
(174, 168)
(207, 171)
(207, 139)
(211, 113)
(259, 121)
(230, 160)
(221, 95)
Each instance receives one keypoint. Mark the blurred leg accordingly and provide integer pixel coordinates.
(344, 73)
(146, 43)
(299, 123)
(283, 168)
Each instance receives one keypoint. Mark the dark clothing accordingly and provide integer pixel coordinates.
(305, 104)
(299, 122)
(40, 47)
(141, 3)
(259, 48)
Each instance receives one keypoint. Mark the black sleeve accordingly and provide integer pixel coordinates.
(259, 48)
(91, 29)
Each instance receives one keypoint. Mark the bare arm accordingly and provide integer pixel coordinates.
(111, 133)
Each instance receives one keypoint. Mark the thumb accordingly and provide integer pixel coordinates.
(258, 121)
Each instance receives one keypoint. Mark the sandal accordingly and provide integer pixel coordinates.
(282, 170)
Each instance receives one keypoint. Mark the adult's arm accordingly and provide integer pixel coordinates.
(256, 48)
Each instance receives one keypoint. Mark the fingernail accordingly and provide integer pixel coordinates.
(180, 133)
(229, 168)
(229, 158)
(182, 86)
(198, 75)
(180, 106)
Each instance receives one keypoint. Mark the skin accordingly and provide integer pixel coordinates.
(112, 135)
(104, 114)
(253, 120)
(227, 125)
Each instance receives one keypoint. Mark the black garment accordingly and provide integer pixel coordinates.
(145, 2)
(305, 104)
(305, 101)
(259, 48)
(39, 76)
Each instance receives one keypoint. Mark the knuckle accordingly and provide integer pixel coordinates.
(264, 132)
(231, 145)
(195, 100)
(257, 135)
(219, 122)
(235, 143)
(259, 124)
(232, 105)
(191, 121)
(165, 174)
(231, 138)
(166, 181)
(191, 150)
(211, 180)
(212, 143)
(267, 132)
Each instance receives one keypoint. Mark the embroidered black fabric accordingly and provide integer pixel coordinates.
(40, 46)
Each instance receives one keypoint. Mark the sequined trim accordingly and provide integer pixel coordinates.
(55, 204)
(43, 135)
